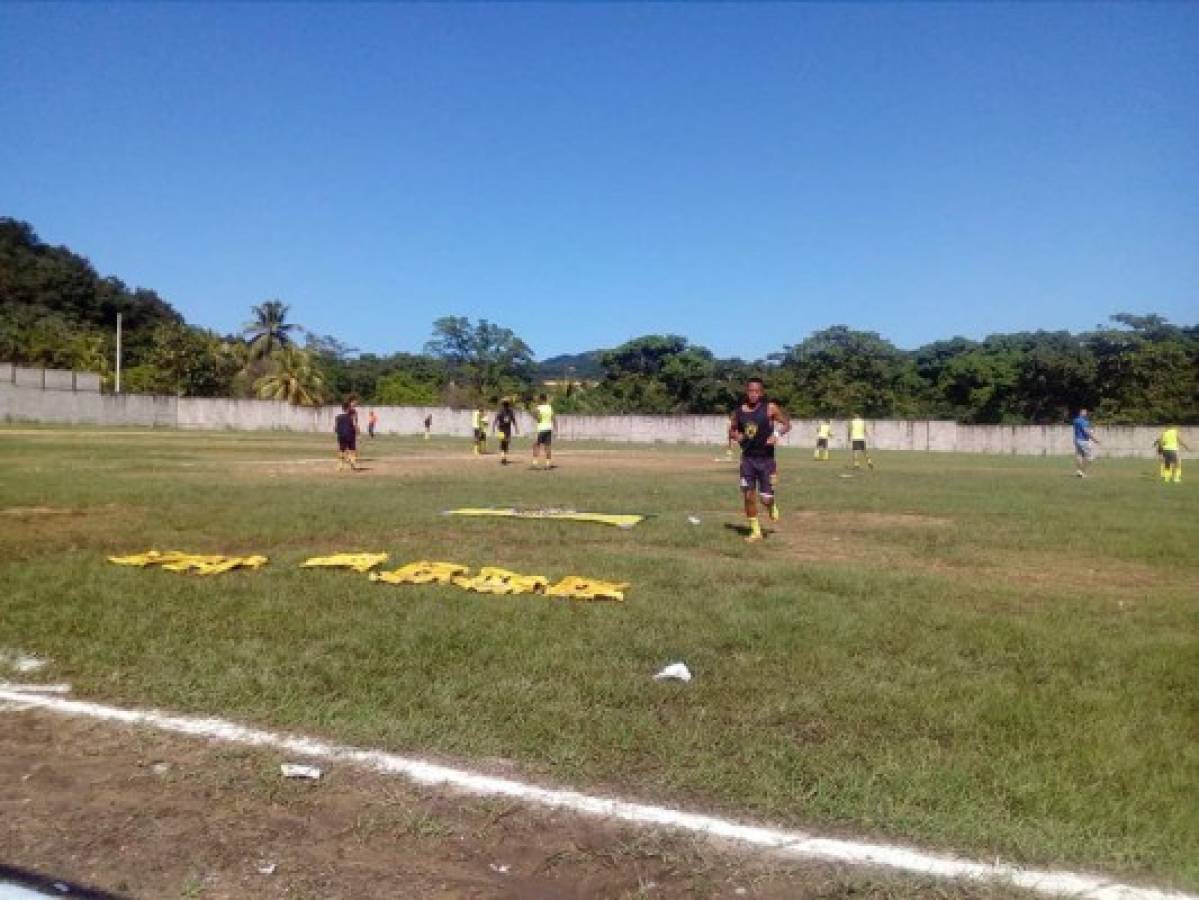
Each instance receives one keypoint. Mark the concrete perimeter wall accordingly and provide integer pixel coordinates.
(27, 402)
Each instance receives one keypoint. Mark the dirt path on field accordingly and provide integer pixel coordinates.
(141, 814)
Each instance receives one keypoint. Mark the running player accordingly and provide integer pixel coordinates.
(428, 426)
(345, 426)
(505, 422)
(857, 442)
(757, 424)
(545, 433)
(1084, 443)
(824, 431)
(1168, 445)
(371, 421)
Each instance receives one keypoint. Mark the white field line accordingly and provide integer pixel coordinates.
(791, 843)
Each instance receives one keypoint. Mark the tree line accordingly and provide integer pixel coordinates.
(57, 311)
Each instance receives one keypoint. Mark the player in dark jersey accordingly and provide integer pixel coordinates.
(757, 425)
(505, 423)
(345, 426)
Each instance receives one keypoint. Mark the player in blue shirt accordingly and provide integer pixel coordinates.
(1084, 443)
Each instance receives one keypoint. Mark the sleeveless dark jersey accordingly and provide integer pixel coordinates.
(756, 428)
(504, 420)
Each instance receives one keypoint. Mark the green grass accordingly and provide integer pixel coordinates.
(978, 654)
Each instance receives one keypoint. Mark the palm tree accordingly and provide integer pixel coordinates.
(294, 377)
(270, 330)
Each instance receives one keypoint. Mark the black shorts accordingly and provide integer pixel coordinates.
(859, 445)
(545, 437)
(821, 443)
(1170, 457)
(480, 435)
(347, 443)
(759, 473)
(505, 439)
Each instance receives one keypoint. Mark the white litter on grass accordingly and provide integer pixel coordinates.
(292, 770)
(674, 672)
(267, 869)
(790, 843)
(694, 520)
(37, 688)
(503, 870)
(21, 662)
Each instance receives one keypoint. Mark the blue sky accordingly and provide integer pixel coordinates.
(741, 174)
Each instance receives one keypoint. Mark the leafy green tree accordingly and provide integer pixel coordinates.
(402, 389)
(842, 371)
(295, 377)
(269, 329)
(1148, 371)
(490, 359)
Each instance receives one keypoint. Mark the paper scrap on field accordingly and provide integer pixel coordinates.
(619, 520)
(674, 672)
(294, 770)
(357, 562)
(195, 563)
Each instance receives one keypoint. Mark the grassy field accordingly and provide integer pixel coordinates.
(970, 653)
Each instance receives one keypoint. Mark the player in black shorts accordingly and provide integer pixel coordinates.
(757, 425)
(345, 426)
(505, 423)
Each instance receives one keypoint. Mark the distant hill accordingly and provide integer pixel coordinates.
(583, 366)
(50, 295)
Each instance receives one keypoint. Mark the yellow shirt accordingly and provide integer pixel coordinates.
(857, 430)
(1169, 439)
(476, 420)
(545, 417)
(824, 431)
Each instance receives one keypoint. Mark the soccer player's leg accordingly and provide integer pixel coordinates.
(767, 489)
(749, 491)
(505, 443)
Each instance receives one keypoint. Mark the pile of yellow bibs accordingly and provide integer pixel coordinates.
(195, 563)
(358, 562)
(493, 580)
(488, 580)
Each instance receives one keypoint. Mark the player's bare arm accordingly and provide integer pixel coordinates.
(780, 418)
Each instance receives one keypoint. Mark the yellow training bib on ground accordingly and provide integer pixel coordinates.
(576, 588)
(423, 572)
(1169, 439)
(493, 580)
(358, 562)
(200, 564)
(545, 417)
(619, 520)
(857, 430)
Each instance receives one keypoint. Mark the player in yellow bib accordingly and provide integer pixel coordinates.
(857, 442)
(1169, 445)
(478, 422)
(545, 433)
(824, 431)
